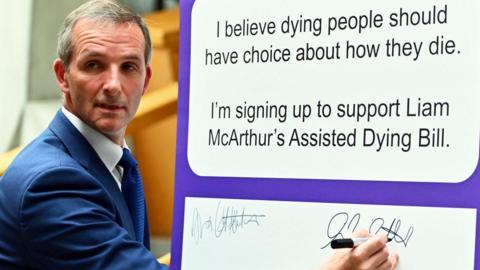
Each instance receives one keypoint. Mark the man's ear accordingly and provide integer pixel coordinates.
(60, 72)
(148, 75)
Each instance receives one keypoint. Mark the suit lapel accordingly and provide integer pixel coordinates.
(82, 151)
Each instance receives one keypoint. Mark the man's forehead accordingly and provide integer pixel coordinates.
(88, 31)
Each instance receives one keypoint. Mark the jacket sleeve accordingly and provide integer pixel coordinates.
(68, 221)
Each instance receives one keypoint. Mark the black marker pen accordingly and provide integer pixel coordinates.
(350, 242)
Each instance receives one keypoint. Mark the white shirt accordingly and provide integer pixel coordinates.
(109, 152)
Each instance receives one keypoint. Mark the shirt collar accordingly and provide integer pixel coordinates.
(109, 152)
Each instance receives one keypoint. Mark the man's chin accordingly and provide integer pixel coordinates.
(114, 131)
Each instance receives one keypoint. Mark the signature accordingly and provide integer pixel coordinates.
(227, 220)
(341, 224)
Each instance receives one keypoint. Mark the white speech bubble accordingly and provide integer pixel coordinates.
(412, 117)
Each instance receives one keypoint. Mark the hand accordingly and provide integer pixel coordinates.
(371, 255)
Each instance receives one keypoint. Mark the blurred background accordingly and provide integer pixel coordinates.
(29, 96)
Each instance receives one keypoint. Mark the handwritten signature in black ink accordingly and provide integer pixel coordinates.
(341, 224)
(228, 219)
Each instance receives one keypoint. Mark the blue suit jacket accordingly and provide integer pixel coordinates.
(60, 208)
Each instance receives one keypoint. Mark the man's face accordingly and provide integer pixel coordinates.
(106, 76)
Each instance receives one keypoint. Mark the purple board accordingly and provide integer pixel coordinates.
(353, 185)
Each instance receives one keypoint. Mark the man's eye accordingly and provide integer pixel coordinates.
(129, 67)
(92, 65)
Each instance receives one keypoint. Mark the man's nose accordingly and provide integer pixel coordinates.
(112, 85)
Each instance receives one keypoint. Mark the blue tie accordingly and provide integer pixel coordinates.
(132, 190)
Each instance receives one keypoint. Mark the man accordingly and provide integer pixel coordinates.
(72, 199)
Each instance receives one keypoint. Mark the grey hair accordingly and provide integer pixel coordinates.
(104, 11)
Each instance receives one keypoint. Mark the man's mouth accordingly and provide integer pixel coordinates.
(111, 107)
